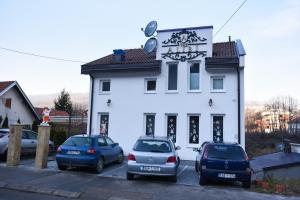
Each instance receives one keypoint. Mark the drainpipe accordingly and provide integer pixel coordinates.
(91, 106)
(239, 103)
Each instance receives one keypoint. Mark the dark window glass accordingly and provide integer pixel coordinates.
(172, 77)
(109, 141)
(153, 146)
(151, 85)
(171, 129)
(150, 124)
(104, 124)
(194, 130)
(225, 152)
(105, 86)
(194, 76)
(102, 142)
(218, 128)
(78, 141)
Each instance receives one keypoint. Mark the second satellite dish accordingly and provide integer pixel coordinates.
(150, 28)
(150, 45)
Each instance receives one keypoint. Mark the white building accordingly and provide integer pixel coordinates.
(189, 89)
(15, 105)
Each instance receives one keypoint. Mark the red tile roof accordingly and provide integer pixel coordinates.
(134, 56)
(53, 113)
(5, 84)
(224, 49)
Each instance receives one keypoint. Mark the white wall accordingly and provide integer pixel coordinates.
(129, 103)
(18, 109)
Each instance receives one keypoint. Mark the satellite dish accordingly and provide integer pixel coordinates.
(150, 28)
(150, 45)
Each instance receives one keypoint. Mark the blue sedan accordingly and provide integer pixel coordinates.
(88, 151)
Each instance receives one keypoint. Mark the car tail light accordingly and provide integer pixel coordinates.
(58, 149)
(91, 151)
(171, 159)
(131, 157)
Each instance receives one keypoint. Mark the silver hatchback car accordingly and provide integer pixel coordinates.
(153, 156)
(28, 142)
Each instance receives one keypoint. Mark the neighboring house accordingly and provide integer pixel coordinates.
(15, 105)
(56, 116)
(275, 121)
(189, 89)
(294, 126)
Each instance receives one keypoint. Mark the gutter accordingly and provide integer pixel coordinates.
(91, 105)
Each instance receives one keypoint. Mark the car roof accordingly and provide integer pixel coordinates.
(222, 143)
(7, 129)
(86, 135)
(164, 138)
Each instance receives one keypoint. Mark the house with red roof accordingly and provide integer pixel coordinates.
(56, 116)
(188, 88)
(15, 105)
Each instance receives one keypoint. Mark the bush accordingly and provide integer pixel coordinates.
(58, 137)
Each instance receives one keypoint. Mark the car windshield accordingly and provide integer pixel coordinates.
(225, 152)
(78, 141)
(158, 146)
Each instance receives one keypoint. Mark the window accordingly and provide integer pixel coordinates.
(218, 128)
(194, 76)
(150, 85)
(172, 76)
(31, 135)
(109, 141)
(150, 124)
(104, 124)
(171, 127)
(217, 83)
(104, 86)
(158, 146)
(102, 142)
(194, 129)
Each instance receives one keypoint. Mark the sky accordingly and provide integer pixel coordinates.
(88, 30)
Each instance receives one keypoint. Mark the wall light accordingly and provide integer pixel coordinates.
(108, 102)
(210, 102)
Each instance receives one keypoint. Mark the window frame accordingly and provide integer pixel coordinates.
(146, 91)
(193, 145)
(167, 75)
(101, 86)
(212, 84)
(145, 123)
(189, 77)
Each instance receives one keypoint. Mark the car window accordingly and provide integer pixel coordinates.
(225, 152)
(153, 146)
(31, 135)
(3, 133)
(109, 141)
(24, 135)
(78, 141)
(102, 142)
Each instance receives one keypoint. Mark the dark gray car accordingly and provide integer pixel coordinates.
(153, 156)
(28, 142)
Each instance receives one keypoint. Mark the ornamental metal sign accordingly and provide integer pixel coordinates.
(184, 46)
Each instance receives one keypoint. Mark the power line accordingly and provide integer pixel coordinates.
(229, 18)
(41, 56)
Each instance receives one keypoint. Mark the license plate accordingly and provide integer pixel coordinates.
(150, 169)
(223, 175)
(73, 152)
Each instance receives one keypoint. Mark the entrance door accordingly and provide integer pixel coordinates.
(218, 128)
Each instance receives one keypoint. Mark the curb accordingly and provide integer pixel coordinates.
(40, 190)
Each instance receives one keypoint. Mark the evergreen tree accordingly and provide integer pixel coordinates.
(63, 102)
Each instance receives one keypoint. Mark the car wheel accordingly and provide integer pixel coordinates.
(246, 184)
(61, 167)
(120, 157)
(202, 180)
(174, 179)
(99, 166)
(129, 176)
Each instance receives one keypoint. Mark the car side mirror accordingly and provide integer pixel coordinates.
(177, 148)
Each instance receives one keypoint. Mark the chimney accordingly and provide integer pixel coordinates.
(118, 55)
